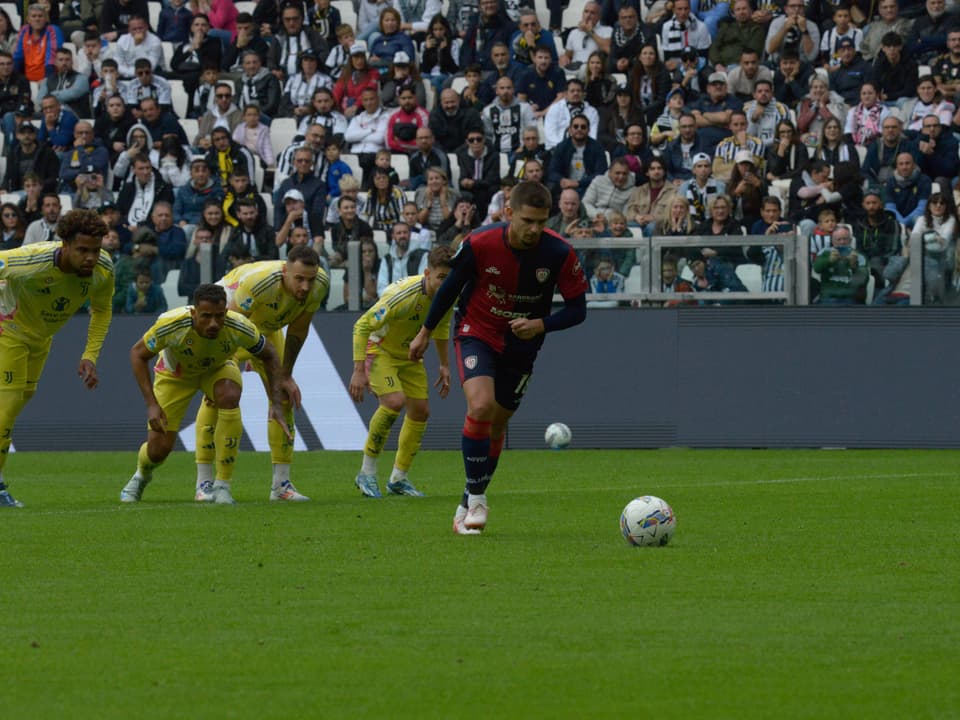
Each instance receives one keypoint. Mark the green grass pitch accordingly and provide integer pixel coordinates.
(799, 584)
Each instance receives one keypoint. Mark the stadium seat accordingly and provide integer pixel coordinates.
(454, 171)
(751, 276)
(3, 166)
(431, 94)
(380, 238)
(257, 174)
(348, 14)
(245, 6)
(401, 163)
(9, 198)
(635, 280)
(170, 288)
(354, 162)
(572, 15)
(71, 47)
(458, 84)
(282, 132)
(504, 165)
(190, 127)
(167, 51)
(153, 9)
(179, 98)
(66, 203)
(335, 294)
(268, 201)
(34, 91)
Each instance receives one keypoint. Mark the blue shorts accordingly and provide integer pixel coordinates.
(510, 371)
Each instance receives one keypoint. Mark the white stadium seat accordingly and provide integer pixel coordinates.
(190, 127)
(246, 6)
(348, 14)
(153, 9)
(179, 98)
(282, 132)
(13, 13)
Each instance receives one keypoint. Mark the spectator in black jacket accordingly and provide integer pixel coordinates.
(450, 122)
(14, 95)
(140, 193)
(894, 74)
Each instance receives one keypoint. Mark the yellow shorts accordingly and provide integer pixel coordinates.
(21, 363)
(175, 393)
(246, 361)
(388, 374)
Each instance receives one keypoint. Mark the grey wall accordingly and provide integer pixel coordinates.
(699, 377)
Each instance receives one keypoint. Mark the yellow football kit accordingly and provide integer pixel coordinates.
(37, 299)
(188, 362)
(383, 334)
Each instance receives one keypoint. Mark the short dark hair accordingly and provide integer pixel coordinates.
(246, 202)
(304, 254)
(209, 292)
(892, 39)
(142, 63)
(244, 18)
(531, 194)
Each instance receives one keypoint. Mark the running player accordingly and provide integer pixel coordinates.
(381, 338)
(273, 294)
(505, 276)
(197, 344)
(41, 287)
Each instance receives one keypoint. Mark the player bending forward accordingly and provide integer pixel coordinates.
(273, 294)
(197, 344)
(381, 338)
(41, 287)
(505, 276)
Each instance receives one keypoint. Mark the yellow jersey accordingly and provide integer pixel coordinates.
(256, 290)
(37, 297)
(182, 352)
(392, 324)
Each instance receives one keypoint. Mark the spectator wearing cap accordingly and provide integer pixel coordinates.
(702, 187)
(404, 123)
(735, 36)
(296, 215)
(848, 76)
(842, 29)
(356, 77)
(299, 88)
(37, 42)
(683, 30)
(712, 111)
(561, 114)
(303, 179)
(667, 125)
(742, 79)
(894, 74)
(290, 40)
(487, 27)
(29, 156)
(402, 73)
(138, 43)
(746, 188)
(14, 96)
(794, 31)
(679, 153)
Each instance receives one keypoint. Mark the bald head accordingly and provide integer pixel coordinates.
(449, 101)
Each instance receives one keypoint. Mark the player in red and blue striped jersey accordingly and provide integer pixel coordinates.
(505, 276)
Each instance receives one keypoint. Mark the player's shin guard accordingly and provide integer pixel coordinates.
(206, 426)
(475, 445)
(11, 403)
(380, 424)
(281, 448)
(411, 433)
(227, 438)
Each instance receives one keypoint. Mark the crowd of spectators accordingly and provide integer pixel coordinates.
(830, 119)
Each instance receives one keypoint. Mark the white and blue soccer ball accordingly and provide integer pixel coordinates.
(557, 436)
(647, 520)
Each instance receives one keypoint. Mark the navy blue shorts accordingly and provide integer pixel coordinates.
(510, 371)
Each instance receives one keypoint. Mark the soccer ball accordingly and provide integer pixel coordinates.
(647, 520)
(557, 436)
